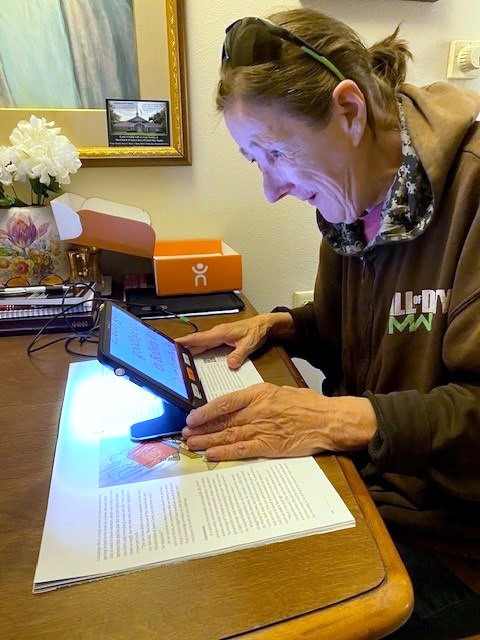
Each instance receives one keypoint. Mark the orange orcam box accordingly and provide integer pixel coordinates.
(180, 266)
(196, 266)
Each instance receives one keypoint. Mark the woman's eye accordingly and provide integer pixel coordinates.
(275, 153)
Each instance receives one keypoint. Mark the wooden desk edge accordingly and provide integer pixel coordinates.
(384, 608)
(388, 605)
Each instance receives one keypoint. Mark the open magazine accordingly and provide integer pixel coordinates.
(117, 506)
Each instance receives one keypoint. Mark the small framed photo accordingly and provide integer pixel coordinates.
(138, 123)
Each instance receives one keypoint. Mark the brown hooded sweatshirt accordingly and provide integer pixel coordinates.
(399, 323)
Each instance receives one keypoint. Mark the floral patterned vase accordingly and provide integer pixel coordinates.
(31, 251)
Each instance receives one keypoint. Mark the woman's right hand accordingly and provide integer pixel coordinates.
(246, 336)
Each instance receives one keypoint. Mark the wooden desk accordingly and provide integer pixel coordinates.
(349, 584)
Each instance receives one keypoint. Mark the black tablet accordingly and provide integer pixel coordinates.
(144, 303)
(149, 358)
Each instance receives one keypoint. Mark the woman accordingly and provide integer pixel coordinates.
(394, 173)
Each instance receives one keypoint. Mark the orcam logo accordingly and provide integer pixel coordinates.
(416, 310)
(200, 270)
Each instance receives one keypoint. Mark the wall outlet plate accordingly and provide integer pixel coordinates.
(300, 298)
(454, 70)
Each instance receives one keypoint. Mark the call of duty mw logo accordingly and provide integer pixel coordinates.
(413, 310)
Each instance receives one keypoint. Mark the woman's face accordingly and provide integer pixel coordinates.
(295, 159)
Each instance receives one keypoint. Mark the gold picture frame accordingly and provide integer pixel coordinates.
(161, 55)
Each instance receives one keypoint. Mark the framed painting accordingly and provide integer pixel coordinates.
(77, 54)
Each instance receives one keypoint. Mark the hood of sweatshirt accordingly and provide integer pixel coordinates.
(433, 122)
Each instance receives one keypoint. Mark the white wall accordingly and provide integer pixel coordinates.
(221, 194)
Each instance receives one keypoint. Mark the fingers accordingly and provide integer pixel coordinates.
(226, 436)
(222, 406)
(220, 423)
(199, 342)
(233, 443)
(237, 357)
(242, 335)
(236, 451)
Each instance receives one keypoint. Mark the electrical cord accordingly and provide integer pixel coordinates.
(159, 308)
(81, 340)
(64, 311)
(88, 336)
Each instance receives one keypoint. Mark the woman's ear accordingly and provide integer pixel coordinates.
(350, 108)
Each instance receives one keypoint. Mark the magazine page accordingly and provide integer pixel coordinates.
(216, 376)
(117, 505)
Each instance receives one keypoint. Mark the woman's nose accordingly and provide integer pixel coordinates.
(275, 188)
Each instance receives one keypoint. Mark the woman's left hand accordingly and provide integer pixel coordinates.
(265, 420)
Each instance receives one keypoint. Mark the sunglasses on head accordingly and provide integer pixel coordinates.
(252, 41)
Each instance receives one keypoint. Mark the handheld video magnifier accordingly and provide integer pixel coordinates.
(154, 361)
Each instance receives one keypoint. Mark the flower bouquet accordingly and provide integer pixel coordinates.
(31, 251)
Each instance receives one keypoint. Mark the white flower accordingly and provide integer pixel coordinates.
(6, 166)
(41, 152)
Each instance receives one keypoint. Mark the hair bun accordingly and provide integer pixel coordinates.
(390, 59)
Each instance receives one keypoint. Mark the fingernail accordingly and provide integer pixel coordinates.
(191, 419)
(191, 444)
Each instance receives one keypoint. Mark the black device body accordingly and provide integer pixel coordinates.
(150, 359)
(170, 423)
(144, 303)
